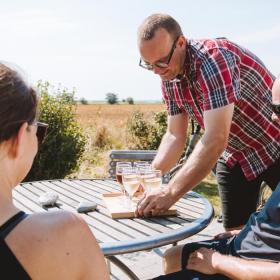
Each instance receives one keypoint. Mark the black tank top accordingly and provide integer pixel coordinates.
(10, 266)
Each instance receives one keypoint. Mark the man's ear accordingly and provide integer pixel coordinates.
(17, 141)
(182, 41)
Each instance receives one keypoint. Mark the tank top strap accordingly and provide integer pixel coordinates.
(8, 226)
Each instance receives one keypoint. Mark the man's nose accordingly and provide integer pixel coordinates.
(157, 70)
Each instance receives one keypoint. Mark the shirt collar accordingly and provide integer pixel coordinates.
(186, 73)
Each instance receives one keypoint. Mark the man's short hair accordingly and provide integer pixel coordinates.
(151, 24)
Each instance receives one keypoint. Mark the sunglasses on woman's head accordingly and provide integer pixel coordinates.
(41, 131)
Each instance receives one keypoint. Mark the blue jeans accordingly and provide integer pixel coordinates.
(223, 246)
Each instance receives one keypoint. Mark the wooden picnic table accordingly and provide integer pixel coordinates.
(118, 236)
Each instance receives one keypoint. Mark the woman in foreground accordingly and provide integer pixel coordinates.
(53, 245)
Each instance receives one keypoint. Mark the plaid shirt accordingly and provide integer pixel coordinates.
(217, 73)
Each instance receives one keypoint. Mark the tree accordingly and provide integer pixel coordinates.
(112, 98)
(83, 101)
(130, 100)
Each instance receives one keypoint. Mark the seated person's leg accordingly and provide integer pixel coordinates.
(190, 275)
(176, 258)
(172, 259)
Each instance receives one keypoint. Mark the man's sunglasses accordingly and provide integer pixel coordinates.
(160, 64)
(41, 131)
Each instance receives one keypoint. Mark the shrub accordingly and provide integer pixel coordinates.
(147, 135)
(102, 139)
(138, 131)
(130, 100)
(160, 125)
(143, 134)
(83, 101)
(61, 152)
(112, 98)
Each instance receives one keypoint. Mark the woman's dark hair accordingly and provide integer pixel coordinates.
(18, 102)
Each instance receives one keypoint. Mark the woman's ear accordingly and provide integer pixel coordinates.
(17, 141)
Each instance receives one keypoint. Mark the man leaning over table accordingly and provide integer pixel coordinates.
(227, 90)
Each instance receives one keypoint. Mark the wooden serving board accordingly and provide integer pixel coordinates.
(117, 208)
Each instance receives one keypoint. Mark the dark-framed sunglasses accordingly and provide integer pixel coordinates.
(41, 133)
(159, 64)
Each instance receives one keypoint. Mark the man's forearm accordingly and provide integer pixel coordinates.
(169, 152)
(197, 167)
(237, 268)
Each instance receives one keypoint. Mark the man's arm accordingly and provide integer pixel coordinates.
(211, 262)
(173, 143)
(276, 98)
(217, 124)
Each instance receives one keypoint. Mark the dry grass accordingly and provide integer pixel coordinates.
(112, 114)
(112, 117)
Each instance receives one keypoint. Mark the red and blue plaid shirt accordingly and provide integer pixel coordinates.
(217, 73)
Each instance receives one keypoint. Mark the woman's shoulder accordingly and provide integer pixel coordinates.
(53, 223)
(55, 220)
(57, 237)
(54, 228)
(57, 228)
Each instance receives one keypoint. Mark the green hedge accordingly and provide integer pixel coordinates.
(62, 151)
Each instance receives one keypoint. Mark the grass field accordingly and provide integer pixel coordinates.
(112, 117)
(105, 127)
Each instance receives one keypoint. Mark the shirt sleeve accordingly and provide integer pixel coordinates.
(220, 79)
(169, 100)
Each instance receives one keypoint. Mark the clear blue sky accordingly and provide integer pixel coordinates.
(91, 44)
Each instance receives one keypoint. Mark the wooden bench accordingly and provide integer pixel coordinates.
(132, 156)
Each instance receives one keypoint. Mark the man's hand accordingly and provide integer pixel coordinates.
(204, 260)
(154, 203)
(227, 234)
(276, 118)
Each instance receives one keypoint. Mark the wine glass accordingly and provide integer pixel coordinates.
(141, 168)
(152, 179)
(121, 165)
(131, 182)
